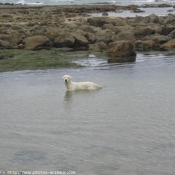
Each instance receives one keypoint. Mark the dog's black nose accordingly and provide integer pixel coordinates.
(66, 80)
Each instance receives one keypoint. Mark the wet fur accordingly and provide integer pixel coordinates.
(70, 85)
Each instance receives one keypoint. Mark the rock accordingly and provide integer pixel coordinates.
(154, 18)
(71, 26)
(107, 39)
(122, 49)
(139, 20)
(52, 32)
(165, 30)
(87, 29)
(106, 36)
(17, 37)
(158, 39)
(36, 43)
(141, 32)
(151, 19)
(119, 22)
(100, 21)
(144, 45)
(80, 41)
(155, 5)
(94, 47)
(137, 11)
(172, 34)
(79, 32)
(4, 44)
(170, 45)
(117, 30)
(109, 26)
(126, 35)
(164, 5)
(170, 19)
(19, 25)
(102, 45)
(104, 14)
(91, 38)
(5, 37)
(98, 46)
(64, 40)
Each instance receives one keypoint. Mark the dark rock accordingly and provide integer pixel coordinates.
(64, 40)
(164, 5)
(156, 5)
(121, 49)
(165, 30)
(170, 10)
(80, 41)
(137, 11)
(8, 3)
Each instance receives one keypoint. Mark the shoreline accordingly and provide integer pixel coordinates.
(35, 28)
(103, 5)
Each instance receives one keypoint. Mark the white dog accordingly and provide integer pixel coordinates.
(70, 85)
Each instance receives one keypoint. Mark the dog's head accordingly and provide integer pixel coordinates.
(67, 78)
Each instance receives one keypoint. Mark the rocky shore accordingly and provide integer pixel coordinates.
(46, 27)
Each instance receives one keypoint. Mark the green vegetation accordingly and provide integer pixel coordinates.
(11, 60)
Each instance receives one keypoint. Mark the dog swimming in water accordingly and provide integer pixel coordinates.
(70, 85)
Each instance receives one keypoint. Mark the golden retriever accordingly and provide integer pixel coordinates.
(70, 85)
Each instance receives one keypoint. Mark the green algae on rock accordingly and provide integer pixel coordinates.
(16, 59)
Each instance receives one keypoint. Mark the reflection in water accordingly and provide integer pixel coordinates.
(121, 59)
(70, 94)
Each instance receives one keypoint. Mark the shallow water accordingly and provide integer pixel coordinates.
(128, 127)
(146, 12)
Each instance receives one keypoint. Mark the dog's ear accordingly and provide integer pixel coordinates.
(63, 77)
(70, 77)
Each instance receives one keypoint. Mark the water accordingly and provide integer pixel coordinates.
(128, 127)
(71, 2)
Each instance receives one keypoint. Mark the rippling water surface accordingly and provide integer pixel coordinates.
(126, 128)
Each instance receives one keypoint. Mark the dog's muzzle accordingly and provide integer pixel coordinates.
(66, 80)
